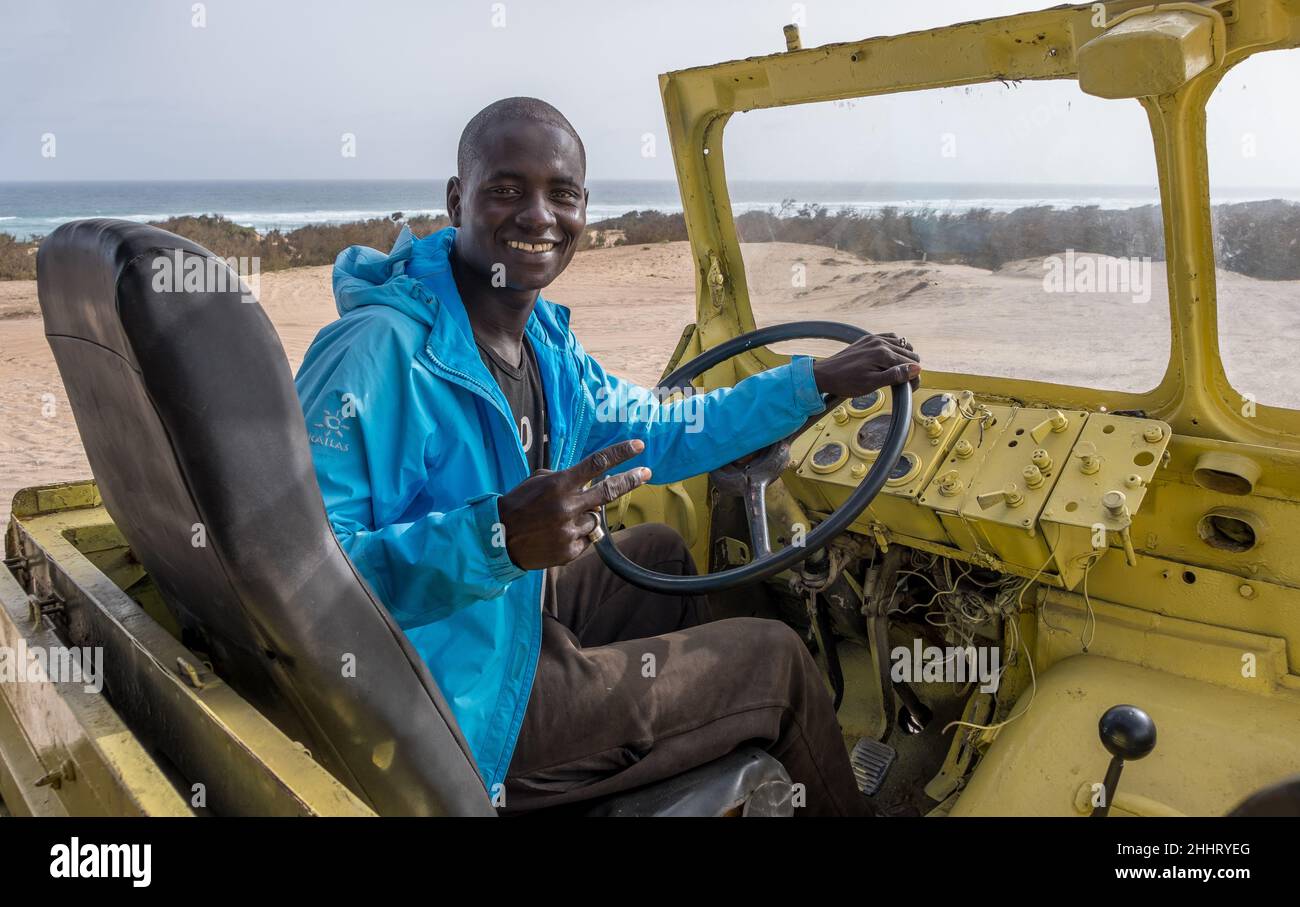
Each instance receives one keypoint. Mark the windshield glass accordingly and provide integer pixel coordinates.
(1252, 134)
(1005, 229)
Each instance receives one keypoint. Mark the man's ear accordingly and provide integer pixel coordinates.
(453, 201)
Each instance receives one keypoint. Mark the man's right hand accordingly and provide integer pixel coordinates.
(868, 364)
(549, 516)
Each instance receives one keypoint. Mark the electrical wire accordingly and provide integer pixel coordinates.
(1014, 624)
(1033, 679)
(1091, 617)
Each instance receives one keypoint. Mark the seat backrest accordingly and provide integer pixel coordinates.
(187, 410)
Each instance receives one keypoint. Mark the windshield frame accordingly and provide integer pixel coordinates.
(1194, 395)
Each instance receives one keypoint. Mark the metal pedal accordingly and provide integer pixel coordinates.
(871, 762)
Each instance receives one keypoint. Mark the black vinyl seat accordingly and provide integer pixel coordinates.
(186, 407)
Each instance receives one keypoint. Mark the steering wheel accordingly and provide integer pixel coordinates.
(750, 479)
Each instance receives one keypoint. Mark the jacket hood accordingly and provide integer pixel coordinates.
(364, 276)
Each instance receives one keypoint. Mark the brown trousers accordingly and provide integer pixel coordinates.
(633, 687)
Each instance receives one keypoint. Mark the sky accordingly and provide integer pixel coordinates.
(242, 89)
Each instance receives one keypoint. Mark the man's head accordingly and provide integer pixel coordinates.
(518, 201)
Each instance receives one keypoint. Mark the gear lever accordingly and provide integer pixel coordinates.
(1128, 733)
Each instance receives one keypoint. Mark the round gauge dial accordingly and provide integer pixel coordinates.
(901, 468)
(871, 435)
(866, 404)
(940, 406)
(829, 457)
(905, 468)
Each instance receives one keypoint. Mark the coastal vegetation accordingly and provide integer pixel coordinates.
(1258, 239)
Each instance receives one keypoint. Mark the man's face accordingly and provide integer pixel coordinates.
(523, 207)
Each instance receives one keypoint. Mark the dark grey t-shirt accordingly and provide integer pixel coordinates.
(522, 387)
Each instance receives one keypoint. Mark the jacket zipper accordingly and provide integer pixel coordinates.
(482, 390)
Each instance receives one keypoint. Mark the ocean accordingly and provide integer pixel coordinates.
(35, 208)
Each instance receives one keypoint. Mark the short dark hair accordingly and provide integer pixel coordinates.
(505, 110)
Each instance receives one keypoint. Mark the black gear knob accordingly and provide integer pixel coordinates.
(1127, 732)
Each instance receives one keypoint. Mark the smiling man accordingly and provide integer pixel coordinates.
(459, 444)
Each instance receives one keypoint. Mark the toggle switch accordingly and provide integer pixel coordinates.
(950, 484)
(1086, 451)
(1057, 422)
(1116, 505)
(1010, 495)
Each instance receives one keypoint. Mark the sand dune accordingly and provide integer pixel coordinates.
(630, 304)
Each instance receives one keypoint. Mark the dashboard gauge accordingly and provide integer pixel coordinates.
(905, 469)
(829, 457)
(871, 436)
(940, 406)
(866, 404)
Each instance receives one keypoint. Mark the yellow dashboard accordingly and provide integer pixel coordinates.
(1039, 488)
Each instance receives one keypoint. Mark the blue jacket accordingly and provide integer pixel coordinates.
(413, 445)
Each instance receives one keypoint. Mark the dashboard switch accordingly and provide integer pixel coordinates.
(1057, 422)
(950, 484)
(1010, 495)
(1089, 463)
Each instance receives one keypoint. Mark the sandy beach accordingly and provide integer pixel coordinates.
(630, 304)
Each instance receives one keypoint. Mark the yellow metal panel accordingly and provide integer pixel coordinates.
(1037, 764)
(64, 724)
